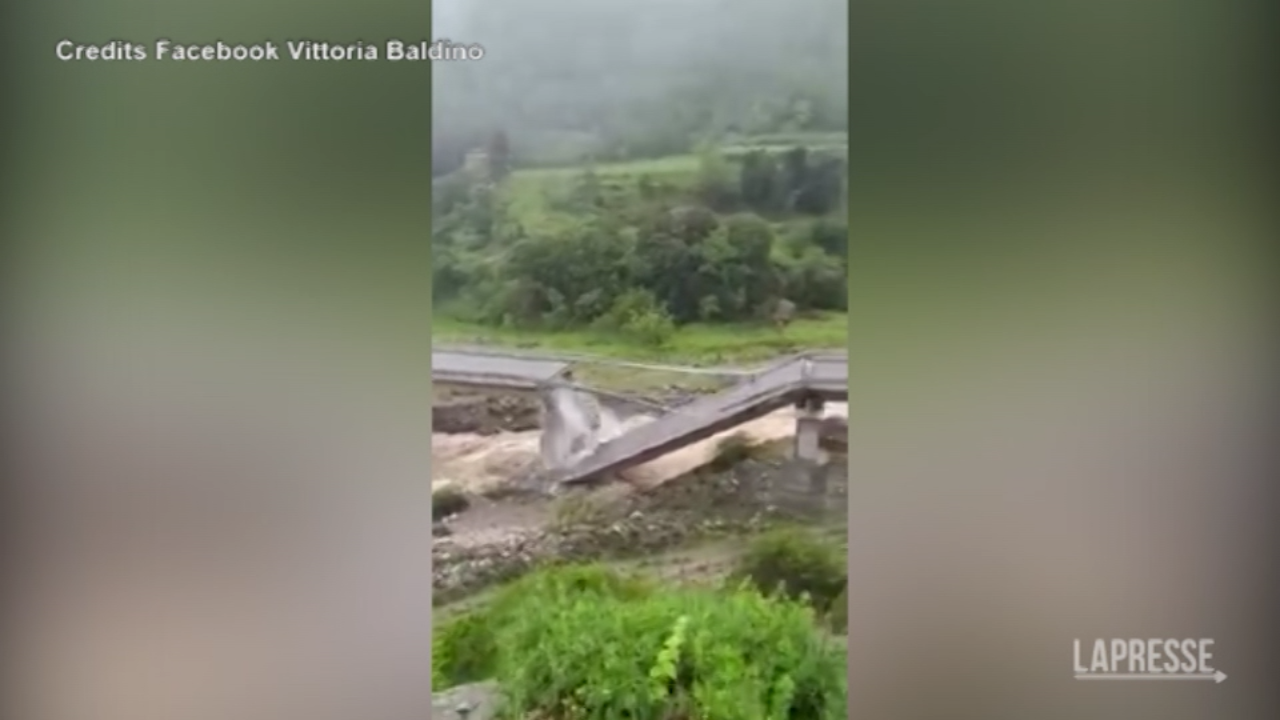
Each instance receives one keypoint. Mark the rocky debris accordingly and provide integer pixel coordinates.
(475, 701)
(751, 485)
(460, 570)
(745, 498)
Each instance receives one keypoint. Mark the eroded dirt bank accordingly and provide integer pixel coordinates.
(481, 413)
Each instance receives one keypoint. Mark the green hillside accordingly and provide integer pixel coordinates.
(734, 252)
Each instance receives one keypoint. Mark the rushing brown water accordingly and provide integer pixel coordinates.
(482, 462)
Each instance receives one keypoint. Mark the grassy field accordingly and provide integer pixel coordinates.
(528, 190)
(573, 152)
(695, 344)
(674, 166)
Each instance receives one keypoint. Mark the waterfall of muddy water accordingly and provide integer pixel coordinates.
(481, 462)
(569, 423)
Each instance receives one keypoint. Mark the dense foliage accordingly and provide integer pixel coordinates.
(838, 615)
(639, 255)
(795, 564)
(576, 642)
(465, 649)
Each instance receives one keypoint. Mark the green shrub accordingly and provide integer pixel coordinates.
(588, 643)
(448, 501)
(639, 315)
(578, 508)
(561, 581)
(690, 653)
(465, 648)
(794, 563)
(653, 328)
(438, 680)
(838, 615)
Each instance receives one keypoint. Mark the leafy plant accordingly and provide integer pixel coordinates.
(838, 615)
(465, 648)
(711, 654)
(795, 564)
(652, 328)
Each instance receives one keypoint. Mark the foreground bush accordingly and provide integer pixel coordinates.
(465, 648)
(706, 654)
(796, 564)
(586, 643)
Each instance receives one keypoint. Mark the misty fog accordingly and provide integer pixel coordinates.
(568, 79)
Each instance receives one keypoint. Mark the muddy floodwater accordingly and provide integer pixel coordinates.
(486, 458)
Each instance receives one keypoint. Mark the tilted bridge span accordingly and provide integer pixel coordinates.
(806, 381)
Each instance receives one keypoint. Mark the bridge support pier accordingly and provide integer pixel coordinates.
(808, 430)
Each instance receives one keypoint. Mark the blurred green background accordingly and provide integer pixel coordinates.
(181, 189)
(1017, 163)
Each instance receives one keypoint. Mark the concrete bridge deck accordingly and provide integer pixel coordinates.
(489, 367)
(800, 380)
(492, 370)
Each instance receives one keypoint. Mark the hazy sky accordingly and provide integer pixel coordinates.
(446, 19)
(632, 73)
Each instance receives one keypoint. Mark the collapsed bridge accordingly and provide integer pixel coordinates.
(806, 381)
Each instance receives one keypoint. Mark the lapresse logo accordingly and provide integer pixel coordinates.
(1146, 659)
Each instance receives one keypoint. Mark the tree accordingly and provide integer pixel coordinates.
(821, 191)
(714, 182)
(758, 182)
(795, 172)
